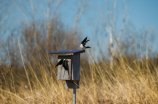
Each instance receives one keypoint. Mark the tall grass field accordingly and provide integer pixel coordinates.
(129, 81)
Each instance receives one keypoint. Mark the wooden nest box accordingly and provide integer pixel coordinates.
(70, 72)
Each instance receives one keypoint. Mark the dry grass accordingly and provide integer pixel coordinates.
(128, 82)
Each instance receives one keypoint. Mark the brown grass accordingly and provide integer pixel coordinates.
(128, 82)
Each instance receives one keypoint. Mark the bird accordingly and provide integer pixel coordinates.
(83, 43)
(60, 62)
(64, 63)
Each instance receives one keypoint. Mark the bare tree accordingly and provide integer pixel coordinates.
(110, 27)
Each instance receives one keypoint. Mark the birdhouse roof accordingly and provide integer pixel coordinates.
(67, 52)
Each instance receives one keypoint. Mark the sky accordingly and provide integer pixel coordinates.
(141, 13)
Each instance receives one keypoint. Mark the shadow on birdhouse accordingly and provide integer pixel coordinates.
(65, 65)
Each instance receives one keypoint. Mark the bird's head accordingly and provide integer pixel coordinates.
(65, 60)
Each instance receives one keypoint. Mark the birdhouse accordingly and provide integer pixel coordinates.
(70, 68)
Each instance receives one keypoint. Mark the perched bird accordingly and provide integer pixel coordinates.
(60, 62)
(64, 63)
(83, 43)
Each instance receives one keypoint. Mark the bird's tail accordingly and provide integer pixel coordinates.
(88, 47)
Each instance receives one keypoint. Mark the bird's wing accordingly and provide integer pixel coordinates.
(84, 40)
(60, 62)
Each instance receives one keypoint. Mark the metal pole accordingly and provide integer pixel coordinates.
(74, 95)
